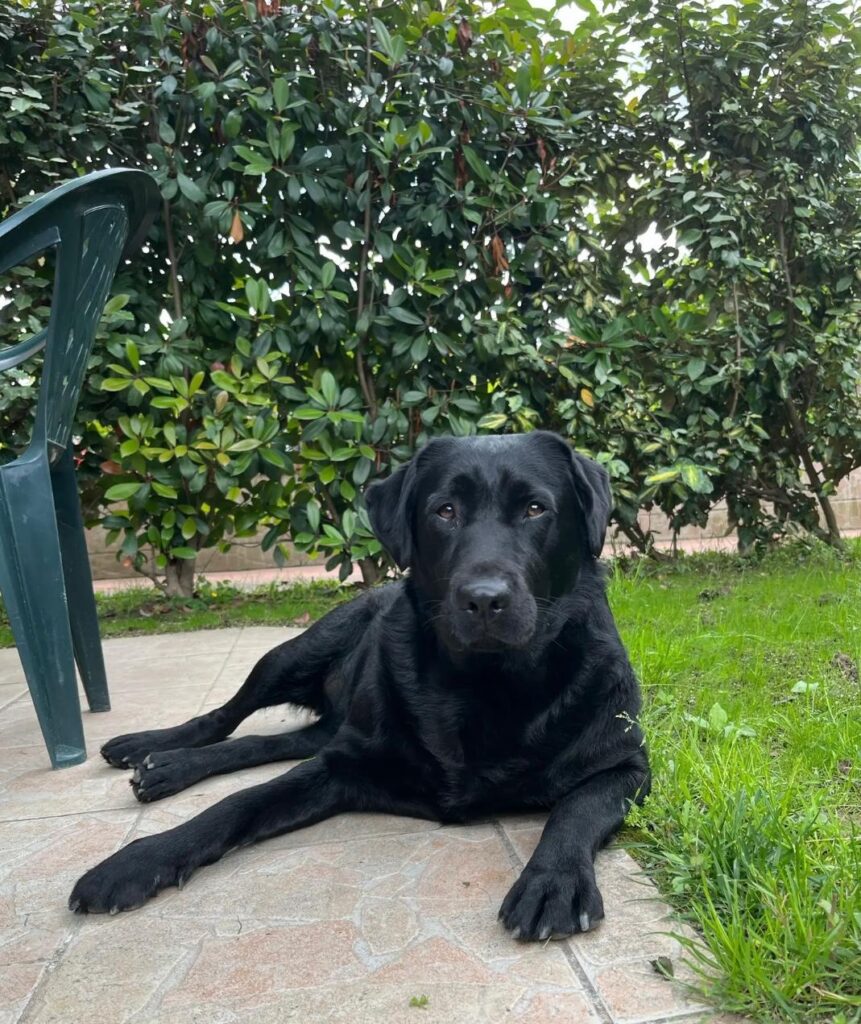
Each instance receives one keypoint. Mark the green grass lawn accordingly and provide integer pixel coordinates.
(752, 698)
(143, 610)
(750, 679)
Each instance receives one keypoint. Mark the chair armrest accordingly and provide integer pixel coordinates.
(16, 354)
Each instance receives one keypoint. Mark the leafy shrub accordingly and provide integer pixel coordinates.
(376, 229)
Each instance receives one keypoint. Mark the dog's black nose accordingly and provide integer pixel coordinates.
(484, 597)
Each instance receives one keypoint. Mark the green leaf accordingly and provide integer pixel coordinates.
(115, 304)
(718, 718)
(329, 388)
(419, 349)
(222, 379)
(164, 490)
(694, 478)
(189, 189)
(122, 492)
(663, 476)
(382, 34)
(478, 166)
(280, 93)
(696, 367)
(523, 83)
(493, 421)
(327, 273)
(133, 355)
(312, 511)
(247, 444)
(405, 316)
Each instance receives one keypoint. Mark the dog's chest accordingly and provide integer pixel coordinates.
(483, 752)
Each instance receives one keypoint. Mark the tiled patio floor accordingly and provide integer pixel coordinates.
(346, 921)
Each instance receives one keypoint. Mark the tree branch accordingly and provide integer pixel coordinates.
(171, 255)
(366, 382)
(736, 384)
(797, 431)
(689, 91)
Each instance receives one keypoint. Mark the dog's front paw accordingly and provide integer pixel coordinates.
(128, 879)
(552, 904)
(129, 751)
(164, 773)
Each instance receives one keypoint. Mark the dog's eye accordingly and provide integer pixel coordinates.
(445, 511)
(535, 509)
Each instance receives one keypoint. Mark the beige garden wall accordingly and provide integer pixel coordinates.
(248, 555)
(846, 503)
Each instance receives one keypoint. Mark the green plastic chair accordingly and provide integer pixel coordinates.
(45, 579)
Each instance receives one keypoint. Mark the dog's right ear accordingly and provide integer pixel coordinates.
(390, 510)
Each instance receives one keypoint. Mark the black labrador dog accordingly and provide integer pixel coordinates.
(491, 679)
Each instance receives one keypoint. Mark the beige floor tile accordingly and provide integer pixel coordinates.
(634, 993)
(637, 929)
(339, 931)
(151, 675)
(11, 691)
(40, 859)
(43, 793)
(264, 638)
(637, 921)
(28, 786)
(172, 645)
(11, 672)
(130, 711)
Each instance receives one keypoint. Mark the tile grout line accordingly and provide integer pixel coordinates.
(589, 990)
(690, 1016)
(66, 814)
(13, 700)
(219, 673)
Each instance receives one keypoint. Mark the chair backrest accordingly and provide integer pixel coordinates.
(91, 222)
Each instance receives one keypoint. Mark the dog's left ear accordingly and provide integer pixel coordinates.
(592, 487)
(390, 510)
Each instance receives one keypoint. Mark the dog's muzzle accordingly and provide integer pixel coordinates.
(490, 612)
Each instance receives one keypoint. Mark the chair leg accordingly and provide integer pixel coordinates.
(31, 581)
(83, 617)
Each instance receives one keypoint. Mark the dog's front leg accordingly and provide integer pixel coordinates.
(557, 895)
(305, 795)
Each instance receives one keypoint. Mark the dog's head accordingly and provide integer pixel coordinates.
(491, 528)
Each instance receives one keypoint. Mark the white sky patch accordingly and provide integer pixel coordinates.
(569, 17)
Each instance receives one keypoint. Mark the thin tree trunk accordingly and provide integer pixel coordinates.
(370, 571)
(796, 425)
(179, 577)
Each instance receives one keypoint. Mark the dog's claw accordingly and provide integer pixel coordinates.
(516, 933)
(584, 922)
(74, 906)
(544, 934)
